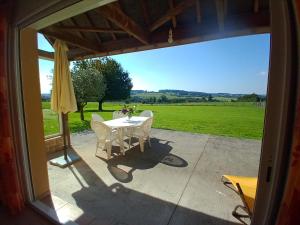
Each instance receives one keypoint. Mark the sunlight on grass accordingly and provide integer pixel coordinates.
(230, 119)
(51, 122)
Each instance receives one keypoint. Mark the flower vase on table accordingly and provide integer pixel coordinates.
(129, 115)
(128, 110)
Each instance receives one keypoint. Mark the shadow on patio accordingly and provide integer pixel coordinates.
(157, 186)
(137, 161)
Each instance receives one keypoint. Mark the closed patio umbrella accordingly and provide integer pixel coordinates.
(63, 98)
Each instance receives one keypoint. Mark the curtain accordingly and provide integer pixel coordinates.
(10, 191)
(289, 209)
(290, 205)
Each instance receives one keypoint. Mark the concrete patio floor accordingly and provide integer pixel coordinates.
(175, 182)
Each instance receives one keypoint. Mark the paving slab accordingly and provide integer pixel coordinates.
(205, 193)
(177, 181)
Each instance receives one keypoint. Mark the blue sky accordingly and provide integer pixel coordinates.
(232, 65)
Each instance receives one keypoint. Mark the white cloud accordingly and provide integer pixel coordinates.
(45, 83)
(262, 73)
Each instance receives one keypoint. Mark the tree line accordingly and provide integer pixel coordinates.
(165, 99)
(209, 98)
(251, 98)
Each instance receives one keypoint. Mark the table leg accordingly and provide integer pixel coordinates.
(121, 140)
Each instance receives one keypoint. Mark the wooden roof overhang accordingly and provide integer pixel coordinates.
(134, 25)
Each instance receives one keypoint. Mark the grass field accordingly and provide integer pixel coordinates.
(226, 119)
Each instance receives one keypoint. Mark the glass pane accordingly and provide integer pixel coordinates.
(51, 119)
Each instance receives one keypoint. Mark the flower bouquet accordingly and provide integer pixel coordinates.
(128, 110)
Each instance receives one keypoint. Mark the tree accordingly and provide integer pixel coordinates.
(117, 79)
(89, 85)
(249, 98)
(151, 100)
(210, 98)
(163, 99)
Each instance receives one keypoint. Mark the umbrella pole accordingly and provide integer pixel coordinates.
(69, 157)
(65, 134)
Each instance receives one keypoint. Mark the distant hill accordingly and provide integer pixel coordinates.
(46, 97)
(182, 93)
(181, 96)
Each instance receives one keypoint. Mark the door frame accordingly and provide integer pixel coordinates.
(280, 112)
(280, 107)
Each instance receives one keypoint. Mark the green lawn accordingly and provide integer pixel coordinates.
(230, 119)
(51, 125)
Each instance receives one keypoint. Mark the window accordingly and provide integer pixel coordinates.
(50, 118)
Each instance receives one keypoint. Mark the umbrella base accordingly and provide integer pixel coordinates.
(62, 162)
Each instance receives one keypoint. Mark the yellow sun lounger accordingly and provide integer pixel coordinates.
(245, 187)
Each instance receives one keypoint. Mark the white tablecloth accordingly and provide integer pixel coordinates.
(124, 122)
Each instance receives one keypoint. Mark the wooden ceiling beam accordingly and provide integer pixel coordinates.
(89, 29)
(145, 12)
(256, 6)
(109, 26)
(113, 13)
(74, 23)
(89, 19)
(50, 40)
(73, 40)
(46, 55)
(207, 30)
(68, 9)
(220, 13)
(110, 46)
(171, 13)
(171, 5)
(225, 6)
(198, 11)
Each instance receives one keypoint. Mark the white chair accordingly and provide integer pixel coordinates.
(147, 113)
(118, 114)
(97, 117)
(105, 137)
(142, 133)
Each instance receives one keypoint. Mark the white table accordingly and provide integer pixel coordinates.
(121, 123)
(124, 122)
